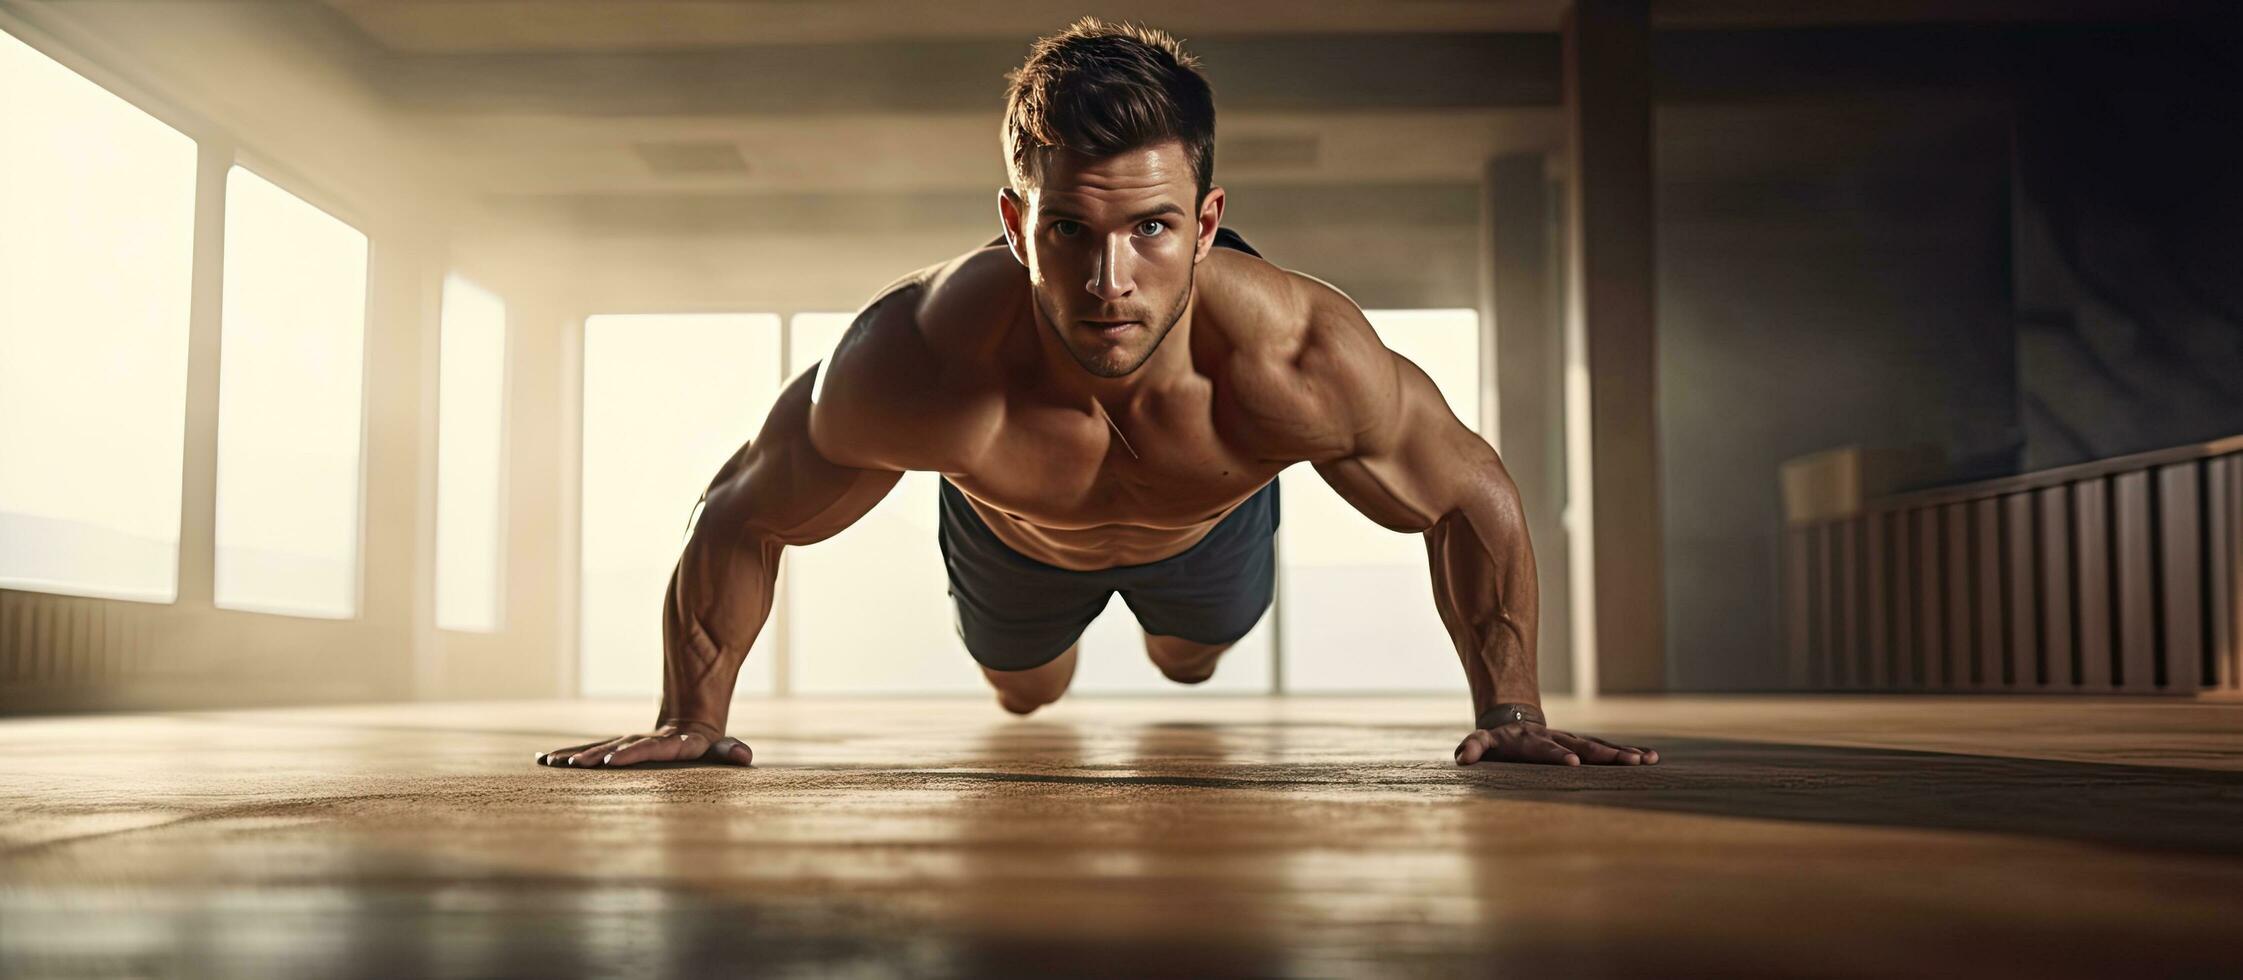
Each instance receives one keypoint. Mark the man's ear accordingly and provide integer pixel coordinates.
(1210, 218)
(1012, 212)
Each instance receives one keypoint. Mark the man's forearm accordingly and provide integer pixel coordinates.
(1485, 588)
(718, 599)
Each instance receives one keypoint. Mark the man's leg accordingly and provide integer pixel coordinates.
(1182, 660)
(1023, 691)
(1220, 587)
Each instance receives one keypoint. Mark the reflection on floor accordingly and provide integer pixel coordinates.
(1201, 836)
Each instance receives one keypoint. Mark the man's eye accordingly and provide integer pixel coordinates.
(1064, 227)
(1156, 226)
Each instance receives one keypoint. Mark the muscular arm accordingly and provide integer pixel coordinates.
(780, 489)
(776, 491)
(1402, 458)
(1456, 490)
(1411, 465)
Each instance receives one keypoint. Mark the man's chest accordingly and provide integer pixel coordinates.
(1172, 465)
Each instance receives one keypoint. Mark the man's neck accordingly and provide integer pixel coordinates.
(1171, 361)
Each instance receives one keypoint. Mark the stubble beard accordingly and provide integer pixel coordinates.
(1103, 368)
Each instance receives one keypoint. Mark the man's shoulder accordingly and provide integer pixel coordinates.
(970, 300)
(937, 316)
(1307, 369)
(1255, 303)
(1285, 319)
(886, 393)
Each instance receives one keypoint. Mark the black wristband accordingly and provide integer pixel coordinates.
(1508, 712)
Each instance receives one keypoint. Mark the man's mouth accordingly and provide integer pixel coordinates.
(1111, 326)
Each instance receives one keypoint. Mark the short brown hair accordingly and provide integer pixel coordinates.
(1100, 89)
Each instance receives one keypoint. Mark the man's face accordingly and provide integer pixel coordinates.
(1111, 244)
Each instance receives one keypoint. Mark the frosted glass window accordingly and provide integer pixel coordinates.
(290, 367)
(667, 399)
(470, 457)
(888, 561)
(97, 210)
(1357, 599)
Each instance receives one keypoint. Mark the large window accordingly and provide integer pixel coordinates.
(97, 208)
(1357, 599)
(667, 399)
(470, 446)
(290, 366)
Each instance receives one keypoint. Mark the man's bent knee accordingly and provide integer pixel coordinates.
(1182, 660)
(1023, 691)
(1193, 675)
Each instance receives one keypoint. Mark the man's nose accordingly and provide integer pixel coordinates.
(1113, 278)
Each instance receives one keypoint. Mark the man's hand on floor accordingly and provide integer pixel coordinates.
(1526, 740)
(667, 743)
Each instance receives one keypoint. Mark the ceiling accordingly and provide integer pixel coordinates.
(486, 26)
(552, 155)
(572, 104)
(490, 26)
(576, 103)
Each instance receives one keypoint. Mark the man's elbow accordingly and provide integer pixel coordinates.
(1491, 495)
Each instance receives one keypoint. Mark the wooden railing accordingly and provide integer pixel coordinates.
(2116, 576)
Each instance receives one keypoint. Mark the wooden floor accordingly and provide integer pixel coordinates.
(1188, 836)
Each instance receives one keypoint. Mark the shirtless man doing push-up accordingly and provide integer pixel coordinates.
(1109, 392)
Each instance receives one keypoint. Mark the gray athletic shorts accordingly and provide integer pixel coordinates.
(1016, 613)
